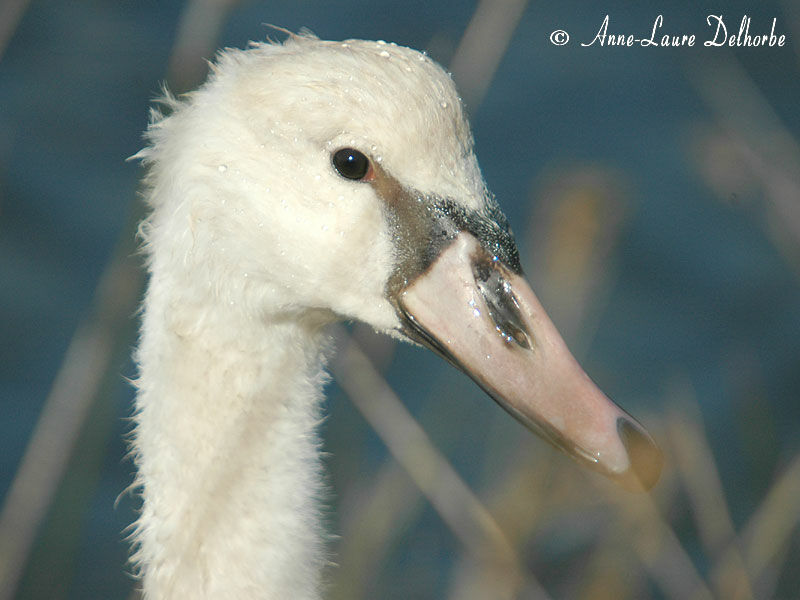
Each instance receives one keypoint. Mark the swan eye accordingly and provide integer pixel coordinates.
(351, 164)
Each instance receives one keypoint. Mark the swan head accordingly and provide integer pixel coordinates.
(321, 180)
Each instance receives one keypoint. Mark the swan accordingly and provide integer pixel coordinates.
(307, 182)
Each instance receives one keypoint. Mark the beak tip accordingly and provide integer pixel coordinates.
(645, 457)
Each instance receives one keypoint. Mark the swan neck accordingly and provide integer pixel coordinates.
(227, 455)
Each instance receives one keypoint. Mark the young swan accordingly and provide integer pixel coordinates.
(303, 183)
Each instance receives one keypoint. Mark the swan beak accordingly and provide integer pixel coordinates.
(485, 319)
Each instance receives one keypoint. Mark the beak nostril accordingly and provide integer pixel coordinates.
(502, 305)
(645, 457)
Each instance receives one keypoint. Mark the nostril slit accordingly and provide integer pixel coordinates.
(502, 305)
(645, 457)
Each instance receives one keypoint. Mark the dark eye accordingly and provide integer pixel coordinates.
(351, 164)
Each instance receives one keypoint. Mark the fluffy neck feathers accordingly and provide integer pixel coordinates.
(227, 454)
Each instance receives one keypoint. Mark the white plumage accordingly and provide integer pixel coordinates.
(255, 242)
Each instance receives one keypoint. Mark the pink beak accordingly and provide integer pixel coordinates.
(486, 320)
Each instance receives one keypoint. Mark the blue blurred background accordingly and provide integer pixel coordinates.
(655, 194)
